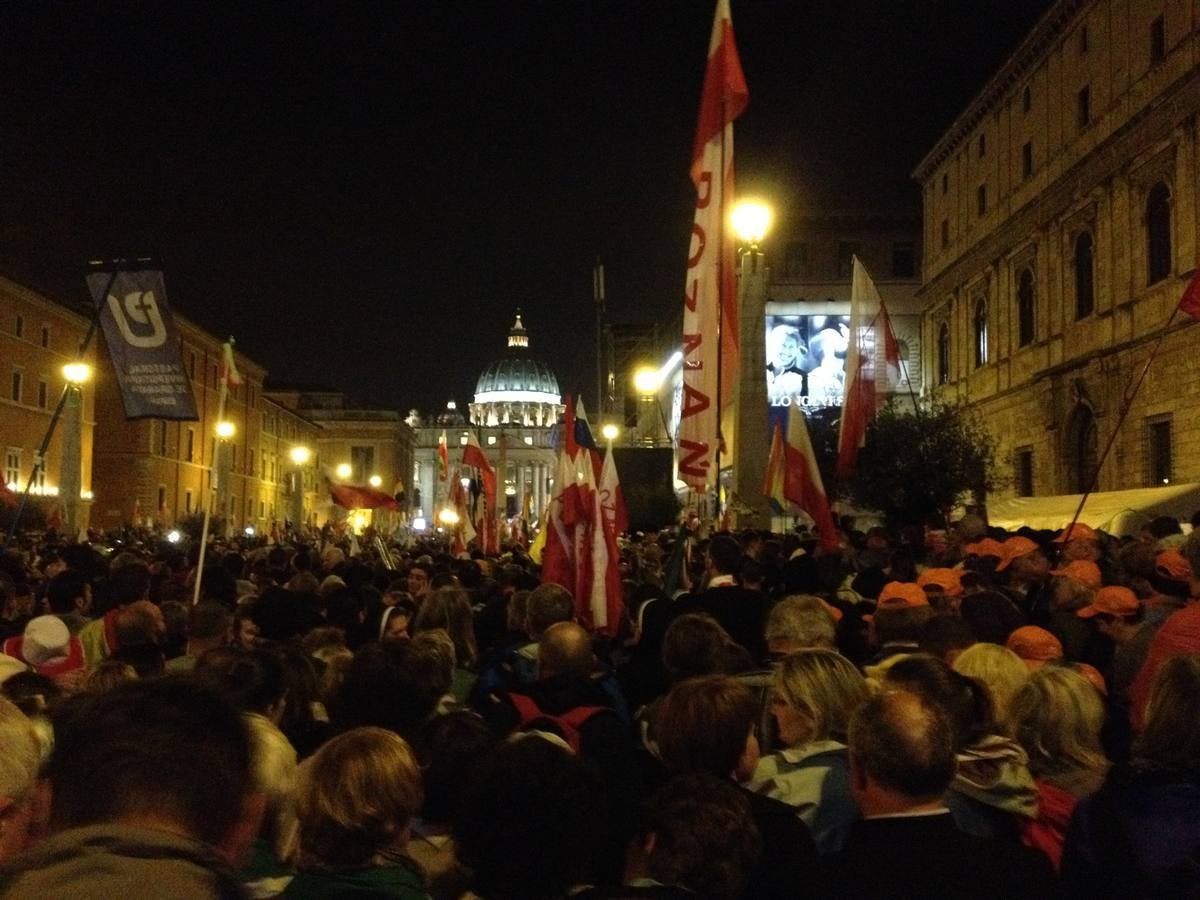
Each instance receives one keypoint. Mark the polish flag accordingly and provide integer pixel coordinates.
(793, 479)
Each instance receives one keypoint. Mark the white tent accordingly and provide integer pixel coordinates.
(1116, 512)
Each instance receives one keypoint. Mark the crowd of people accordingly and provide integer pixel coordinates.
(923, 713)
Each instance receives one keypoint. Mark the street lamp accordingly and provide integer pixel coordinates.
(343, 470)
(225, 430)
(375, 481)
(71, 471)
(301, 455)
(751, 219)
(610, 432)
(647, 380)
(220, 477)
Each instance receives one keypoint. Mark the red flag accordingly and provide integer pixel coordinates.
(612, 498)
(870, 338)
(473, 455)
(229, 370)
(443, 457)
(354, 497)
(1190, 301)
(710, 289)
(793, 478)
(8, 497)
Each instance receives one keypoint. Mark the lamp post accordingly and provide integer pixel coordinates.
(751, 220)
(71, 472)
(300, 456)
(610, 433)
(220, 478)
(647, 381)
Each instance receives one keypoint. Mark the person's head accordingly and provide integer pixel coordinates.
(999, 669)
(357, 796)
(518, 607)
(106, 675)
(798, 622)
(900, 614)
(565, 649)
(166, 752)
(548, 603)
(273, 764)
(449, 608)
(966, 702)
(452, 747)
(724, 555)
(1023, 559)
(698, 834)
(901, 753)
(1115, 612)
(946, 637)
(394, 621)
(707, 725)
(20, 757)
(786, 346)
(695, 644)
(385, 685)
(209, 625)
(68, 592)
(1056, 715)
(431, 661)
(815, 693)
(420, 576)
(139, 622)
(534, 822)
(253, 680)
(1171, 737)
(826, 344)
(128, 584)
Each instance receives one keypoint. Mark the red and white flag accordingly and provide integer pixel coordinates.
(443, 458)
(484, 513)
(793, 479)
(612, 499)
(229, 370)
(873, 352)
(1190, 301)
(710, 291)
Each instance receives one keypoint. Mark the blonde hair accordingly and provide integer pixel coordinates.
(1056, 715)
(1002, 672)
(356, 797)
(21, 758)
(273, 768)
(106, 676)
(826, 686)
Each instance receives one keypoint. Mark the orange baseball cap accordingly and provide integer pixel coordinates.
(946, 579)
(1034, 645)
(1092, 674)
(985, 547)
(1113, 600)
(1173, 565)
(1015, 548)
(902, 595)
(1077, 532)
(1083, 571)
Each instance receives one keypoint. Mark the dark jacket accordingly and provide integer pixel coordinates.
(400, 880)
(1138, 836)
(926, 856)
(741, 612)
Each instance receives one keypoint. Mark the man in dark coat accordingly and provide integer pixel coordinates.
(741, 612)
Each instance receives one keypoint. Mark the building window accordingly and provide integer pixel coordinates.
(262, 509)
(795, 260)
(162, 499)
(982, 146)
(12, 466)
(43, 394)
(945, 233)
(1023, 471)
(847, 250)
(45, 335)
(1158, 41)
(191, 444)
(943, 354)
(1083, 106)
(249, 508)
(1082, 455)
(528, 439)
(1025, 308)
(187, 502)
(904, 260)
(945, 183)
(17, 380)
(1085, 293)
(1026, 99)
(250, 463)
(981, 200)
(162, 438)
(1027, 159)
(20, 326)
(1083, 39)
(1158, 233)
(1158, 450)
(362, 463)
(981, 332)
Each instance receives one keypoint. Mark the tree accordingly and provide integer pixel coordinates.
(915, 466)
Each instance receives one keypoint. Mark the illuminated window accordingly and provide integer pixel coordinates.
(12, 466)
(981, 332)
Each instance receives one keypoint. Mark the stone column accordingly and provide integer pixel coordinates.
(752, 445)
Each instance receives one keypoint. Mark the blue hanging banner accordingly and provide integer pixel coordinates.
(143, 344)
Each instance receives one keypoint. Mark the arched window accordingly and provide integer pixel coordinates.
(943, 354)
(1025, 320)
(1085, 293)
(981, 332)
(1081, 454)
(1158, 233)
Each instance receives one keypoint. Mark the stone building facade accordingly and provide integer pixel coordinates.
(1060, 228)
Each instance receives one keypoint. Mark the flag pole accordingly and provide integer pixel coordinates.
(1126, 405)
(212, 490)
(720, 288)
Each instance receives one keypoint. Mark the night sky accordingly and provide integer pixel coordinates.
(363, 194)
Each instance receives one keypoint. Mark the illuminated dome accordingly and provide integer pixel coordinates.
(451, 416)
(517, 388)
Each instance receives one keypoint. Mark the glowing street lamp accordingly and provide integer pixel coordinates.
(448, 517)
(71, 471)
(610, 432)
(751, 220)
(77, 373)
(647, 381)
(343, 470)
(225, 430)
(300, 455)
(375, 481)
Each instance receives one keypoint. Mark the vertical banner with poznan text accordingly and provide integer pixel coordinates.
(710, 293)
(143, 344)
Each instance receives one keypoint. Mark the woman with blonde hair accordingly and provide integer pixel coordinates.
(357, 797)
(1056, 717)
(816, 692)
(1001, 671)
(449, 608)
